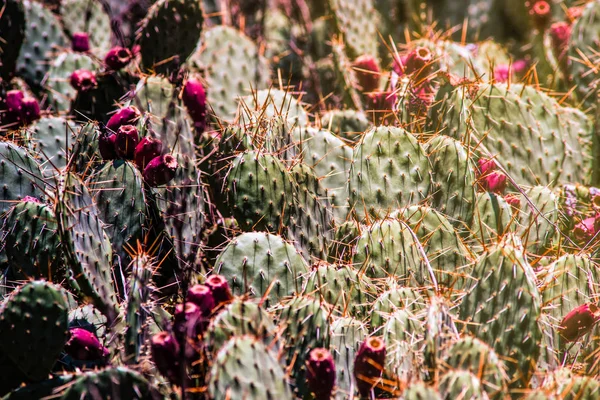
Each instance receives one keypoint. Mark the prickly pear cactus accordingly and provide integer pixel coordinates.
(35, 307)
(169, 34)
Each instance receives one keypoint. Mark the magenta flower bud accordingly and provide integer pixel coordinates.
(194, 99)
(107, 146)
(494, 182)
(220, 289)
(369, 364)
(146, 150)
(126, 142)
(83, 345)
(513, 200)
(83, 80)
(160, 170)
(202, 296)
(80, 42)
(320, 374)
(31, 199)
(125, 116)
(578, 322)
(165, 355)
(367, 72)
(117, 58)
(486, 166)
(30, 110)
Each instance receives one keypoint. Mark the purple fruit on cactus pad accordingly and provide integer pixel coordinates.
(13, 104)
(494, 182)
(127, 140)
(320, 374)
(579, 322)
(125, 116)
(367, 72)
(194, 99)
(165, 355)
(32, 199)
(188, 326)
(146, 150)
(585, 230)
(160, 170)
(117, 58)
(83, 80)
(202, 296)
(81, 42)
(220, 289)
(419, 61)
(30, 110)
(368, 365)
(83, 345)
(107, 146)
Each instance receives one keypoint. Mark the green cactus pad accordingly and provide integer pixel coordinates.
(20, 175)
(57, 85)
(360, 35)
(493, 218)
(254, 261)
(170, 33)
(389, 248)
(34, 321)
(32, 242)
(247, 369)
(233, 67)
(454, 181)
(85, 152)
(260, 192)
(503, 308)
(347, 124)
(346, 336)
(87, 247)
(49, 139)
(88, 16)
(342, 287)
(118, 192)
(117, 382)
(43, 39)
(459, 383)
(239, 318)
(389, 170)
(538, 221)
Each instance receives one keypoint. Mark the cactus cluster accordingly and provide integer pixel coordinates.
(274, 199)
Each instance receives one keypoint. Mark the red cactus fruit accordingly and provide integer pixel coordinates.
(117, 58)
(83, 80)
(494, 182)
(165, 354)
(585, 230)
(13, 104)
(367, 72)
(146, 150)
(220, 289)
(560, 36)
(368, 364)
(80, 42)
(107, 146)
(160, 170)
(30, 110)
(541, 14)
(126, 142)
(486, 166)
(578, 322)
(513, 200)
(202, 296)
(188, 325)
(320, 374)
(194, 99)
(83, 345)
(419, 62)
(380, 106)
(125, 116)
